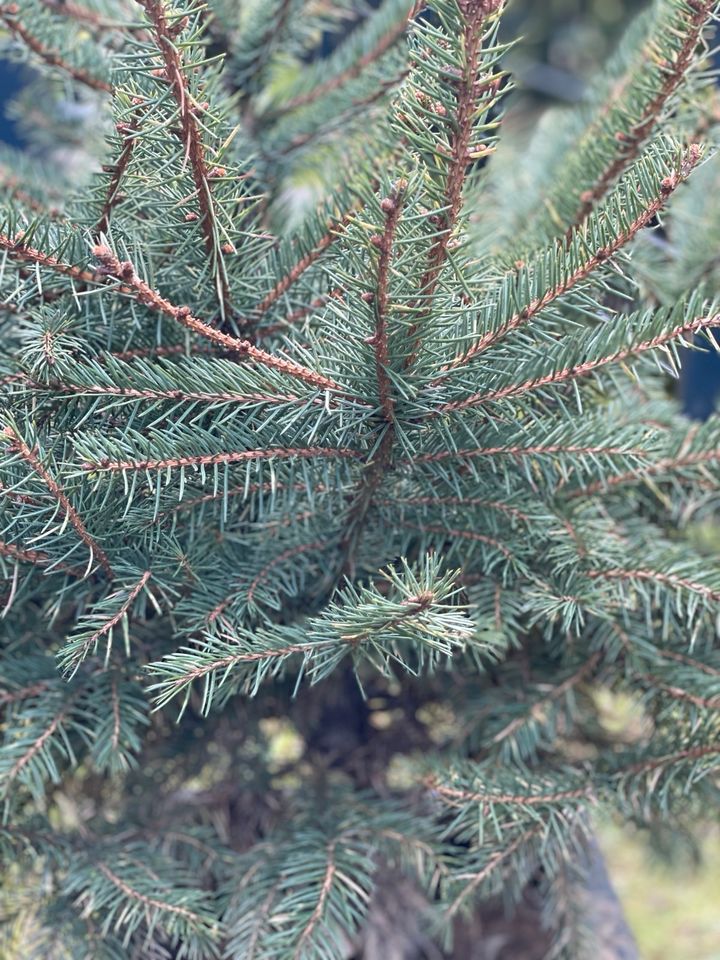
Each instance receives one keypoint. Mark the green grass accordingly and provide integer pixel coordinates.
(673, 912)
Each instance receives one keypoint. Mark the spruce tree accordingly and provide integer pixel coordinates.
(329, 421)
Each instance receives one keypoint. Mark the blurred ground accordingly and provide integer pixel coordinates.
(673, 912)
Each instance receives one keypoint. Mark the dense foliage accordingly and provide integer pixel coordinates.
(339, 474)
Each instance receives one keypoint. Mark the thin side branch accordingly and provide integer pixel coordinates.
(322, 899)
(38, 744)
(633, 139)
(355, 69)
(190, 131)
(216, 459)
(116, 618)
(691, 159)
(525, 452)
(9, 14)
(144, 899)
(456, 796)
(125, 272)
(655, 576)
(335, 230)
(56, 491)
(666, 465)
(581, 369)
(112, 196)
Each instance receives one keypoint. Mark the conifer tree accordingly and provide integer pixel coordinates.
(325, 416)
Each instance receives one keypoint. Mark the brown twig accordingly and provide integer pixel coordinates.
(632, 140)
(145, 900)
(525, 452)
(175, 395)
(115, 619)
(656, 576)
(580, 369)
(422, 527)
(335, 229)
(288, 554)
(9, 14)
(39, 743)
(317, 913)
(469, 94)
(148, 297)
(112, 196)
(493, 863)
(386, 42)
(691, 753)
(669, 464)
(457, 502)
(678, 693)
(557, 692)
(215, 459)
(600, 256)
(56, 491)
(391, 207)
(485, 797)
(165, 34)
(380, 464)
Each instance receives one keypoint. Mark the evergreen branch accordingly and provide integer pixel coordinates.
(354, 70)
(474, 14)
(657, 763)
(160, 350)
(191, 136)
(495, 860)
(455, 795)
(391, 207)
(9, 14)
(669, 465)
(214, 459)
(364, 623)
(78, 648)
(37, 745)
(589, 262)
(632, 140)
(356, 107)
(185, 396)
(281, 558)
(119, 168)
(516, 451)
(656, 576)
(115, 702)
(14, 188)
(242, 490)
(372, 479)
(334, 231)
(302, 312)
(146, 900)
(56, 491)
(24, 693)
(288, 554)
(678, 693)
(457, 502)
(557, 692)
(449, 533)
(66, 8)
(322, 899)
(684, 330)
(125, 272)
(690, 662)
(16, 249)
